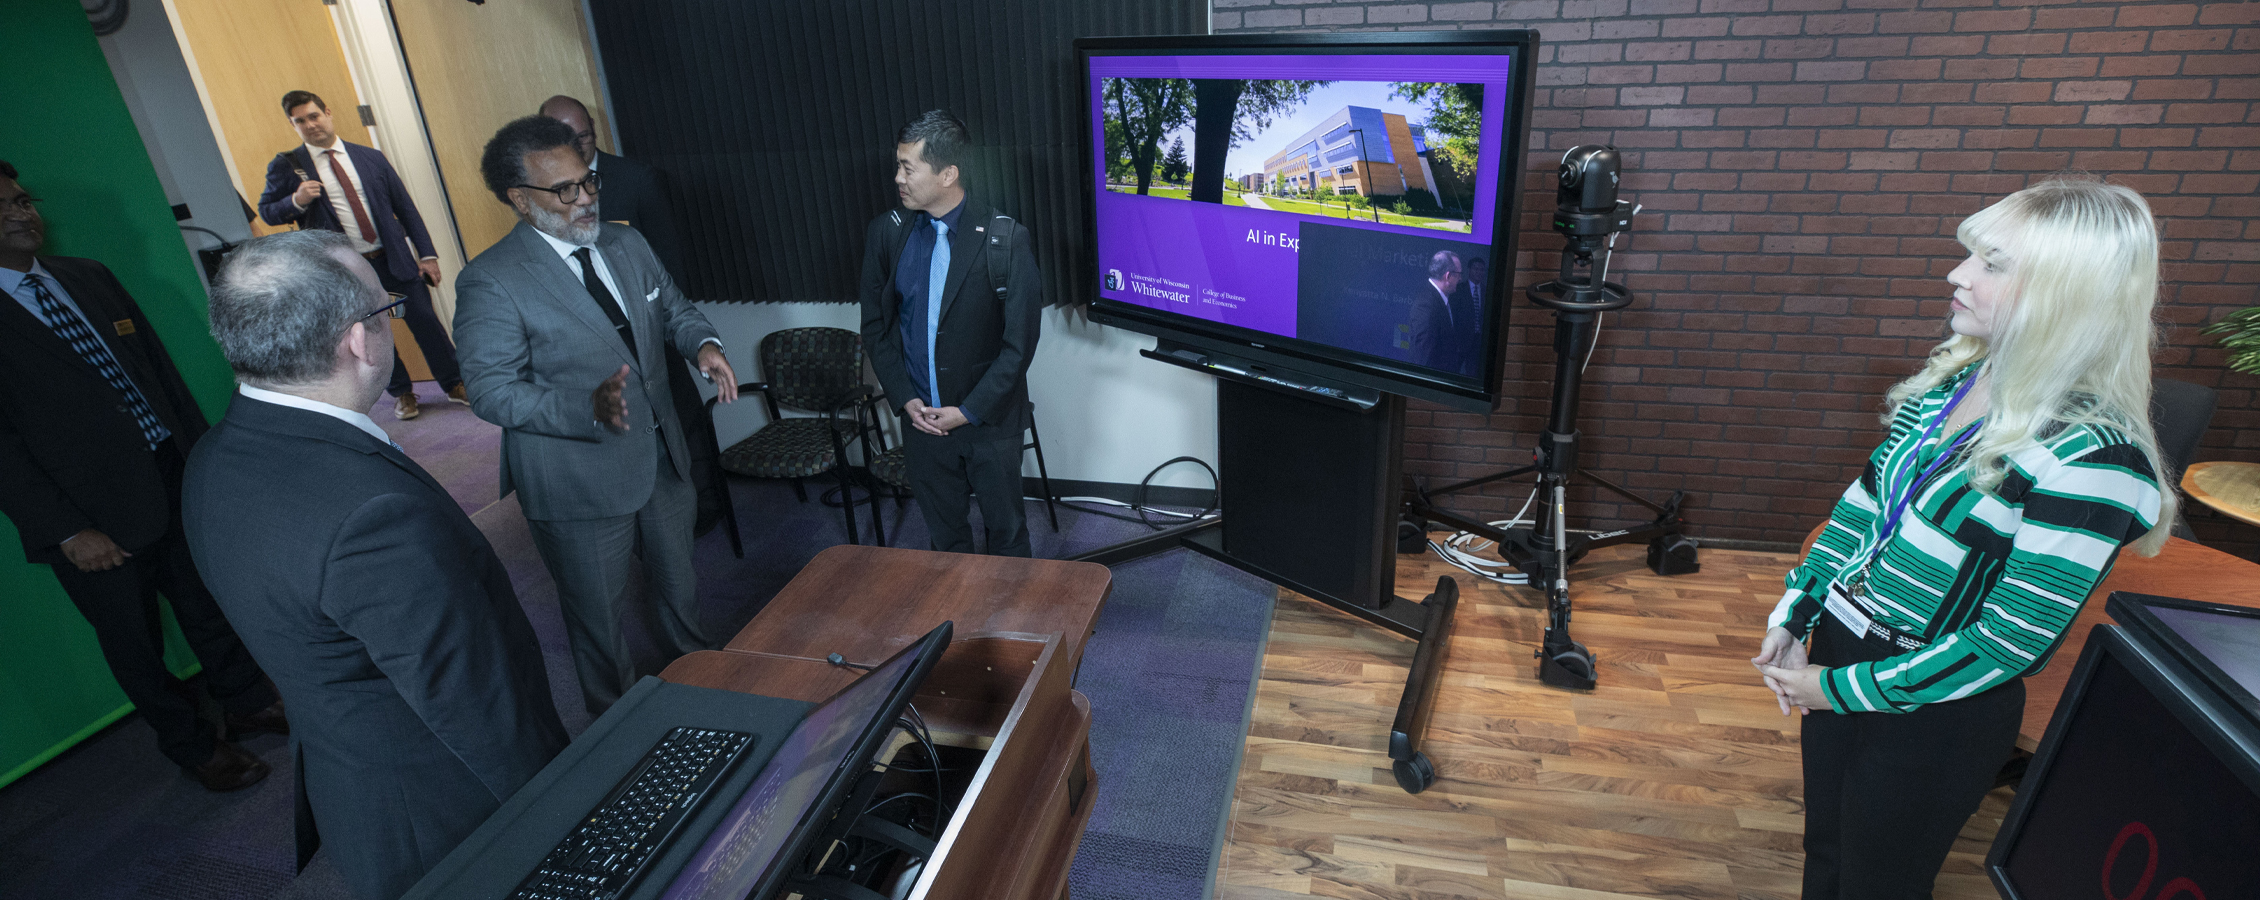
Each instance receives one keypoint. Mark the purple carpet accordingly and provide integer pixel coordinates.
(1169, 674)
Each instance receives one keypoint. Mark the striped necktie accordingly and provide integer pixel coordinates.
(74, 331)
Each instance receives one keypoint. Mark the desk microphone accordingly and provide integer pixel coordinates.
(838, 660)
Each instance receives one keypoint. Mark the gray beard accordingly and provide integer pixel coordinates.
(561, 227)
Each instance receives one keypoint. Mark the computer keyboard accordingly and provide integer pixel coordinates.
(611, 846)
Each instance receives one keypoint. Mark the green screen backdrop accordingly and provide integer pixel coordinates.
(70, 135)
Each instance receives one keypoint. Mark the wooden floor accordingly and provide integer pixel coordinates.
(1677, 777)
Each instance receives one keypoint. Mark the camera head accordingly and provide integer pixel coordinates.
(1585, 198)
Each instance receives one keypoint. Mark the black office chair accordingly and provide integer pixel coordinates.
(816, 370)
(2179, 413)
(889, 468)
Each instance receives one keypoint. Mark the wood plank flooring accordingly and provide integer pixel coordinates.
(1676, 777)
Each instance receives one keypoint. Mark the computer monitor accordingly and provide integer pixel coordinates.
(2147, 783)
(757, 845)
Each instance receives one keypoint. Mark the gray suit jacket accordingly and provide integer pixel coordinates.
(534, 345)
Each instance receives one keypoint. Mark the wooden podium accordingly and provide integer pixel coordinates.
(1004, 687)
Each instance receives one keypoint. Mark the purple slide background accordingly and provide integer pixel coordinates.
(1203, 251)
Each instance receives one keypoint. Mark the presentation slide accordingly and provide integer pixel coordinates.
(1355, 207)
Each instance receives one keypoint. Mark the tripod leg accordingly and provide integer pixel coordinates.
(1562, 662)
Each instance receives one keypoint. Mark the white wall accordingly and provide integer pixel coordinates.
(146, 61)
(1107, 414)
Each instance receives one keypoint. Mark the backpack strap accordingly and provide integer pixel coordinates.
(1000, 254)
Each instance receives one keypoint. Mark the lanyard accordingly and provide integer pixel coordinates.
(1897, 498)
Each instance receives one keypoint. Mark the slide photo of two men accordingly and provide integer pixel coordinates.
(1403, 297)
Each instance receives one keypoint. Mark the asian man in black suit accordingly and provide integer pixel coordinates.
(95, 426)
(949, 346)
(381, 611)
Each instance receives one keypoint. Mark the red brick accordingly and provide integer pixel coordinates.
(1947, 45)
(1863, 93)
(2221, 184)
(1926, 139)
(1813, 160)
(2001, 138)
(2110, 160)
(1620, 74)
(1895, 115)
(2014, 92)
(1704, 181)
(1696, 28)
(1972, 116)
(2229, 14)
(1854, 139)
(2140, 66)
(1682, 118)
(2092, 91)
(1800, 48)
(1904, 69)
(2172, 89)
(1824, 115)
(1729, 49)
(2037, 161)
(1933, 91)
(1622, 29)
(2126, 114)
(1790, 93)
(2046, 115)
(1784, 139)
(1832, 71)
(2222, 64)
(1588, 53)
(1657, 52)
(1993, 20)
(2079, 17)
(2190, 41)
(1884, 160)
(1757, 117)
(1749, 72)
(1614, 118)
(2157, 16)
(1945, 204)
(2079, 137)
(2059, 67)
(1652, 96)
(2229, 137)
(1762, 26)
(2027, 44)
(1849, 23)
(1768, 182)
(1910, 22)
(1981, 69)
(1720, 95)
(1687, 72)
(2108, 42)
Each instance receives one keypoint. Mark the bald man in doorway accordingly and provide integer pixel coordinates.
(635, 195)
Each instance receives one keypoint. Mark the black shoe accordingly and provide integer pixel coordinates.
(229, 769)
(268, 721)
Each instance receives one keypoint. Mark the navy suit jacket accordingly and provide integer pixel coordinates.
(418, 698)
(71, 455)
(398, 224)
(984, 345)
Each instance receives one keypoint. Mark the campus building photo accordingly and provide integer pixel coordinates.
(1357, 150)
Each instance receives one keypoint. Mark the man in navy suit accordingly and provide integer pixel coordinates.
(333, 185)
(380, 610)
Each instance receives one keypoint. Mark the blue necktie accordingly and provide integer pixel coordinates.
(75, 332)
(937, 277)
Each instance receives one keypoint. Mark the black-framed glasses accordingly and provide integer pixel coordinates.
(398, 308)
(570, 192)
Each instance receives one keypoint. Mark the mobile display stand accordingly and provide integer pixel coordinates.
(1311, 481)
(1589, 215)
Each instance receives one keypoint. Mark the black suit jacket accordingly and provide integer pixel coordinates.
(71, 455)
(636, 193)
(984, 344)
(418, 701)
(1447, 337)
(399, 226)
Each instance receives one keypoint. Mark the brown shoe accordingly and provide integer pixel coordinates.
(405, 408)
(458, 395)
(269, 721)
(229, 769)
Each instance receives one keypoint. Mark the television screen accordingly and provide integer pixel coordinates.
(2142, 788)
(1341, 205)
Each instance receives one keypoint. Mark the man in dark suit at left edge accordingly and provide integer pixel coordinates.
(384, 614)
(333, 185)
(95, 427)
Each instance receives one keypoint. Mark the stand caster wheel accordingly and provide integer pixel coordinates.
(1570, 668)
(1412, 535)
(1415, 774)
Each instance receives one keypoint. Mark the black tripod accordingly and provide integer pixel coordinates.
(1589, 215)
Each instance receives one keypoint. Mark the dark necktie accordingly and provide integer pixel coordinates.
(604, 301)
(74, 331)
(353, 199)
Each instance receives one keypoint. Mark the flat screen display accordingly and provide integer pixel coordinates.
(2133, 801)
(1349, 204)
(749, 851)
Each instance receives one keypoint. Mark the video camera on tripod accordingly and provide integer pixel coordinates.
(1589, 216)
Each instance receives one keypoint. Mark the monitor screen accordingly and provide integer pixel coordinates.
(2131, 797)
(754, 847)
(1341, 203)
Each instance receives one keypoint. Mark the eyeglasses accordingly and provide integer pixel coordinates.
(570, 192)
(398, 308)
(21, 203)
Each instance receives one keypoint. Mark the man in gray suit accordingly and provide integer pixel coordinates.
(413, 677)
(563, 328)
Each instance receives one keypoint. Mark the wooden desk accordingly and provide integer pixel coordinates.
(1004, 684)
(2233, 488)
(2184, 569)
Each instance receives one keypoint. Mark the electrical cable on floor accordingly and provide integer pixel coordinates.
(1137, 502)
(1461, 548)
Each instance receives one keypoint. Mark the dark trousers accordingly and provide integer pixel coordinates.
(1886, 793)
(944, 471)
(423, 322)
(121, 604)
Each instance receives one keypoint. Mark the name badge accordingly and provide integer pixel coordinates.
(124, 327)
(1841, 606)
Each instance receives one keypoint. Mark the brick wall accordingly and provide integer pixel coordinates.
(1803, 164)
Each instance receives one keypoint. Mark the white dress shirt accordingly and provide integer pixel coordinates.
(335, 194)
(349, 417)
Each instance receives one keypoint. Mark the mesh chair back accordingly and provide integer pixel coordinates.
(2180, 412)
(811, 368)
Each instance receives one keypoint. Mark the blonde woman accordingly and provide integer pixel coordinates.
(2018, 463)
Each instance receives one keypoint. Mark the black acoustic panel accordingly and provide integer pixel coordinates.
(775, 122)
